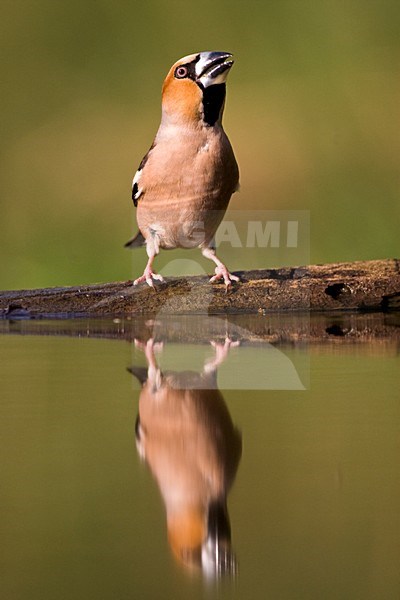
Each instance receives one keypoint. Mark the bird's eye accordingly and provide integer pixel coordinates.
(181, 72)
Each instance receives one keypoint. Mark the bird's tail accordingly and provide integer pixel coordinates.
(136, 242)
(141, 373)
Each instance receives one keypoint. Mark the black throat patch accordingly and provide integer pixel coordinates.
(213, 100)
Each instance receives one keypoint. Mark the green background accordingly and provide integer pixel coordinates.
(312, 113)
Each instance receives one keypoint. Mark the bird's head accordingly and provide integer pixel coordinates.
(203, 541)
(194, 89)
(186, 533)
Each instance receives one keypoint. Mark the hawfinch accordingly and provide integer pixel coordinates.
(184, 183)
(185, 434)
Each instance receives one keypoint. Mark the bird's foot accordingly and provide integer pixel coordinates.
(221, 354)
(223, 273)
(149, 346)
(149, 277)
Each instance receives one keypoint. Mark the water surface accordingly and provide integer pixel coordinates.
(310, 472)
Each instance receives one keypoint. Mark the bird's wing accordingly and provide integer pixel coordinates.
(137, 190)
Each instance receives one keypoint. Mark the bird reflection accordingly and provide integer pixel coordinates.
(186, 436)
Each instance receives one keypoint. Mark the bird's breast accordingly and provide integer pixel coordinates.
(187, 182)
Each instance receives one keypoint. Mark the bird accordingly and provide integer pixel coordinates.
(185, 181)
(185, 434)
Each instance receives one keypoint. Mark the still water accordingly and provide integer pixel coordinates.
(163, 468)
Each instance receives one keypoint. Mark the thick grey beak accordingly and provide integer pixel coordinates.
(213, 67)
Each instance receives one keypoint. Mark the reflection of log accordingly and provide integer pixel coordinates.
(378, 331)
(369, 285)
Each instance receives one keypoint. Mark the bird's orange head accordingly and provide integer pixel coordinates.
(194, 89)
(186, 533)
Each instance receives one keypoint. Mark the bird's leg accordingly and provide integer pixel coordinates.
(221, 272)
(150, 348)
(148, 274)
(221, 354)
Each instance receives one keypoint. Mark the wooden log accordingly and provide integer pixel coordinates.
(352, 286)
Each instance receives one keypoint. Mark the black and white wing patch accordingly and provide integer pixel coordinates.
(137, 191)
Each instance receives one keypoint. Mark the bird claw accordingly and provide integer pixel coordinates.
(149, 346)
(221, 353)
(223, 273)
(149, 277)
(228, 343)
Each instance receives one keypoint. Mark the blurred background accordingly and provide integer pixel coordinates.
(312, 112)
